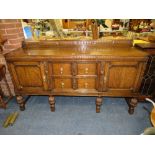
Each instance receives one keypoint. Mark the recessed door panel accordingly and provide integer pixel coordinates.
(122, 77)
(29, 76)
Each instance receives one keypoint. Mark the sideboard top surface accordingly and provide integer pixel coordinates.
(69, 49)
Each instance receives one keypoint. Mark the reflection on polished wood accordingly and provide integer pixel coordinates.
(78, 68)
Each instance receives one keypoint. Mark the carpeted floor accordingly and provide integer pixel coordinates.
(76, 116)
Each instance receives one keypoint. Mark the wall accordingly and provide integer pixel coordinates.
(11, 29)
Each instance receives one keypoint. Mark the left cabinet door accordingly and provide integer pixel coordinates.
(29, 77)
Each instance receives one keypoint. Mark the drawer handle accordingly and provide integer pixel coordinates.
(105, 79)
(44, 78)
(86, 85)
(20, 87)
(61, 70)
(62, 85)
(86, 70)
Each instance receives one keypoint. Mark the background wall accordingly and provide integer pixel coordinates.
(10, 29)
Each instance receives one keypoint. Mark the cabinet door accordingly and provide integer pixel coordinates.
(29, 76)
(123, 76)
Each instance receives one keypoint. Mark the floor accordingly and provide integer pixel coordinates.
(76, 116)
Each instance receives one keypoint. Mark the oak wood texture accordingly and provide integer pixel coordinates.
(77, 68)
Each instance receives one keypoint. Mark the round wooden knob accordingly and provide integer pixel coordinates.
(20, 87)
(62, 84)
(44, 78)
(86, 70)
(61, 70)
(86, 85)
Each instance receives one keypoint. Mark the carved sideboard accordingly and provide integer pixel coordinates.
(77, 68)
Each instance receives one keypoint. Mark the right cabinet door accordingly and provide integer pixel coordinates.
(123, 76)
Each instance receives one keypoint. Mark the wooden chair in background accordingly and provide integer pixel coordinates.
(3, 103)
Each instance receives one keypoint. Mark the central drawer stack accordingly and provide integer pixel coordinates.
(73, 76)
(86, 75)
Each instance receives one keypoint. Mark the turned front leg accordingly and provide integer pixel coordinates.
(52, 103)
(98, 104)
(21, 102)
(132, 104)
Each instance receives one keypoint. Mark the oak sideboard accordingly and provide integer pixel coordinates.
(77, 68)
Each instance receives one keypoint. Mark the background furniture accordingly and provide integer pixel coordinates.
(147, 88)
(76, 23)
(134, 24)
(2, 77)
(77, 68)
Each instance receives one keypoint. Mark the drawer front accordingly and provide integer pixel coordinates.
(61, 69)
(62, 83)
(86, 69)
(87, 83)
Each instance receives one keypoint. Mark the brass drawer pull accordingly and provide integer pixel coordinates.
(86, 70)
(20, 87)
(86, 85)
(62, 84)
(61, 70)
(105, 79)
(44, 78)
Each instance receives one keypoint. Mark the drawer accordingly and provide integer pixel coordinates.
(86, 69)
(61, 69)
(88, 83)
(62, 83)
